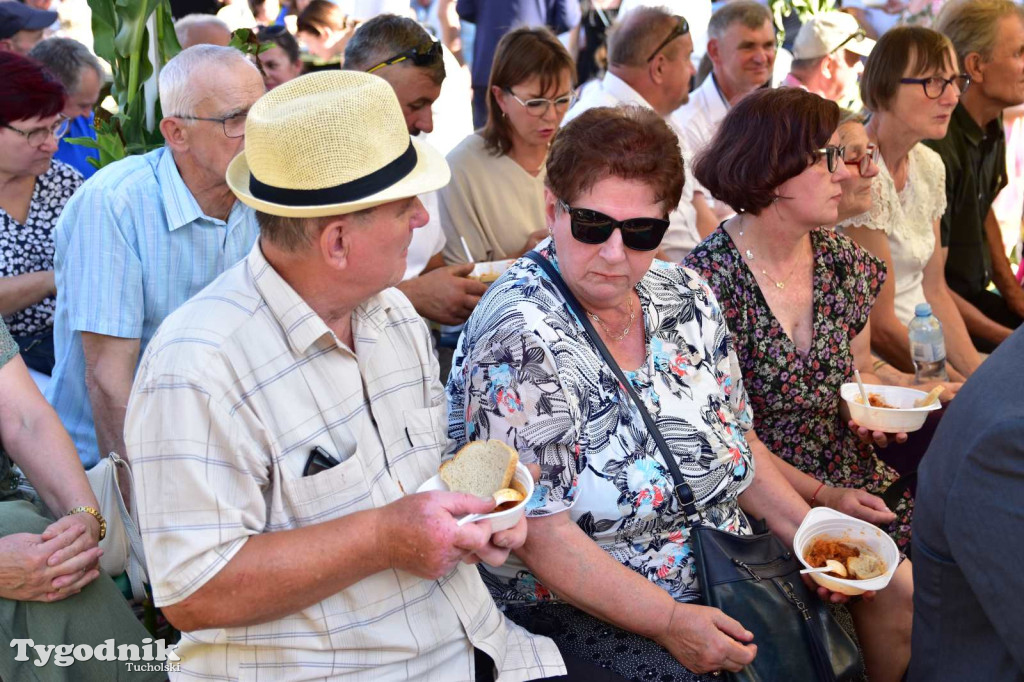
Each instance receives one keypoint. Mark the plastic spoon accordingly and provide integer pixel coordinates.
(863, 391)
(831, 566)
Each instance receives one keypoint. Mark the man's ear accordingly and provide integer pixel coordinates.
(656, 69)
(828, 66)
(335, 242)
(713, 54)
(175, 133)
(973, 64)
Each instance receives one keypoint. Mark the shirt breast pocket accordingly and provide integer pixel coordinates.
(426, 431)
(330, 494)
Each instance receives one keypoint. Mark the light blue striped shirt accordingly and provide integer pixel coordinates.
(131, 246)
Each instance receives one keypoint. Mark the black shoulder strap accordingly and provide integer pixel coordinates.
(684, 493)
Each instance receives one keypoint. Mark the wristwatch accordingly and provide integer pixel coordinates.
(95, 514)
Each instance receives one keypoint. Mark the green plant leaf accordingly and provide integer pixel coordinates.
(104, 26)
(86, 142)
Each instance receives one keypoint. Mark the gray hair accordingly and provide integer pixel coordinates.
(186, 23)
(383, 37)
(973, 26)
(751, 14)
(178, 94)
(66, 58)
(635, 35)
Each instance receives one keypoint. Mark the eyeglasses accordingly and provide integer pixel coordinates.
(833, 156)
(37, 137)
(863, 164)
(423, 55)
(935, 86)
(593, 227)
(538, 106)
(680, 29)
(859, 35)
(234, 124)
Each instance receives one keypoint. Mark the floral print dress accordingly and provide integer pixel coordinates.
(526, 373)
(795, 396)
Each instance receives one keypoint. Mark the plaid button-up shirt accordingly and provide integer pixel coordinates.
(233, 392)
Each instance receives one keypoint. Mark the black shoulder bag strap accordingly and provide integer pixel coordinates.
(684, 494)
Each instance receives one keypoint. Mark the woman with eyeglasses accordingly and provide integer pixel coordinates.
(608, 570)
(494, 203)
(33, 191)
(797, 296)
(911, 84)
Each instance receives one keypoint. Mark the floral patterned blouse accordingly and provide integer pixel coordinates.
(525, 372)
(28, 247)
(795, 396)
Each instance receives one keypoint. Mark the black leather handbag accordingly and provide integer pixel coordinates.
(752, 578)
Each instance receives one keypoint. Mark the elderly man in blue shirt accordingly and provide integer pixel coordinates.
(144, 235)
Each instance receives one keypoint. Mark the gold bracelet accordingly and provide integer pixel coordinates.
(95, 514)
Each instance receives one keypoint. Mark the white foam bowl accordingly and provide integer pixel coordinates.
(825, 522)
(489, 271)
(502, 520)
(903, 418)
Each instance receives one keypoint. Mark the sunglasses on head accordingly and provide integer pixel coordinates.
(422, 55)
(594, 227)
(680, 29)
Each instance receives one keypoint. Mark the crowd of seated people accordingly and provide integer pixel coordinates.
(251, 315)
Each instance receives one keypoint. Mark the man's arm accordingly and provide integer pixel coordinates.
(960, 350)
(21, 291)
(109, 370)
(446, 294)
(1002, 275)
(982, 526)
(979, 324)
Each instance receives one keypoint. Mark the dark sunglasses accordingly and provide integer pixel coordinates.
(833, 156)
(593, 227)
(423, 55)
(680, 29)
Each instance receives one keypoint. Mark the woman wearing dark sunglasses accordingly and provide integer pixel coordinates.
(911, 84)
(797, 296)
(606, 534)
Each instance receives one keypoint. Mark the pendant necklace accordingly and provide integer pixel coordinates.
(779, 284)
(629, 325)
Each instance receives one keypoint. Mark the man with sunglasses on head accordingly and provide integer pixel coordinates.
(649, 65)
(988, 36)
(401, 52)
(827, 57)
(144, 235)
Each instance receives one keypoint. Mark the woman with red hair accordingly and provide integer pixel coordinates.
(33, 191)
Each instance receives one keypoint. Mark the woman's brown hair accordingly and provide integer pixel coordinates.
(767, 138)
(922, 49)
(318, 15)
(628, 142)
(522, 54)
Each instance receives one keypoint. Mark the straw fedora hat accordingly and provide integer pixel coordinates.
(330, 143)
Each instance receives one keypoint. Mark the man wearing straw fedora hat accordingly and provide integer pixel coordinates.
(283, 418)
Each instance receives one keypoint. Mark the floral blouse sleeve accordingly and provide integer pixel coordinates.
(510, 390)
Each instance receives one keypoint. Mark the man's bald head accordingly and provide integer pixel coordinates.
(638, 33)
(201, 29)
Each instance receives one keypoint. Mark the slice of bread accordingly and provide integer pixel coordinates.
(480, 468)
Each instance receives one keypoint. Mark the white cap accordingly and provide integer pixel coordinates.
(825, 32)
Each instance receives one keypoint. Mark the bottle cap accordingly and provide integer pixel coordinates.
(923, 309)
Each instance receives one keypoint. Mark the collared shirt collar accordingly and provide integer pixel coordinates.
(180, 206)
(622, 91)
(300, 323)
(970, 129)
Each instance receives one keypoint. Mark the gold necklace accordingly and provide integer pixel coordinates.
(779, 284)
(629, 325)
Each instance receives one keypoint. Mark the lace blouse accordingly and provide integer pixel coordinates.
(907, 218)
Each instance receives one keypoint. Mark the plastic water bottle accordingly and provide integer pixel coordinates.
(927, 347)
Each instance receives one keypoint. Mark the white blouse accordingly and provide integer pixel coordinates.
(908, 218)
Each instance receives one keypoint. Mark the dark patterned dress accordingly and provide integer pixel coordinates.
(795, 396)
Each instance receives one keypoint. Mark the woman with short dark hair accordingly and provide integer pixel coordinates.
(911, 84)
(33, 191)
(797, 295)
(495, 200)
(608, 562)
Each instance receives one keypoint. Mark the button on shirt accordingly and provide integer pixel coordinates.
(975, 161)
(131, 246)
(233, 393)
(612, 91)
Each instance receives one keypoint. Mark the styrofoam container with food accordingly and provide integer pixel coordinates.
(489, 271)
(893, 408)
(825, 530)
(487, 469)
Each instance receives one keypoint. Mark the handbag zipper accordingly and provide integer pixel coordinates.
(753, 574)
(787, 587)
